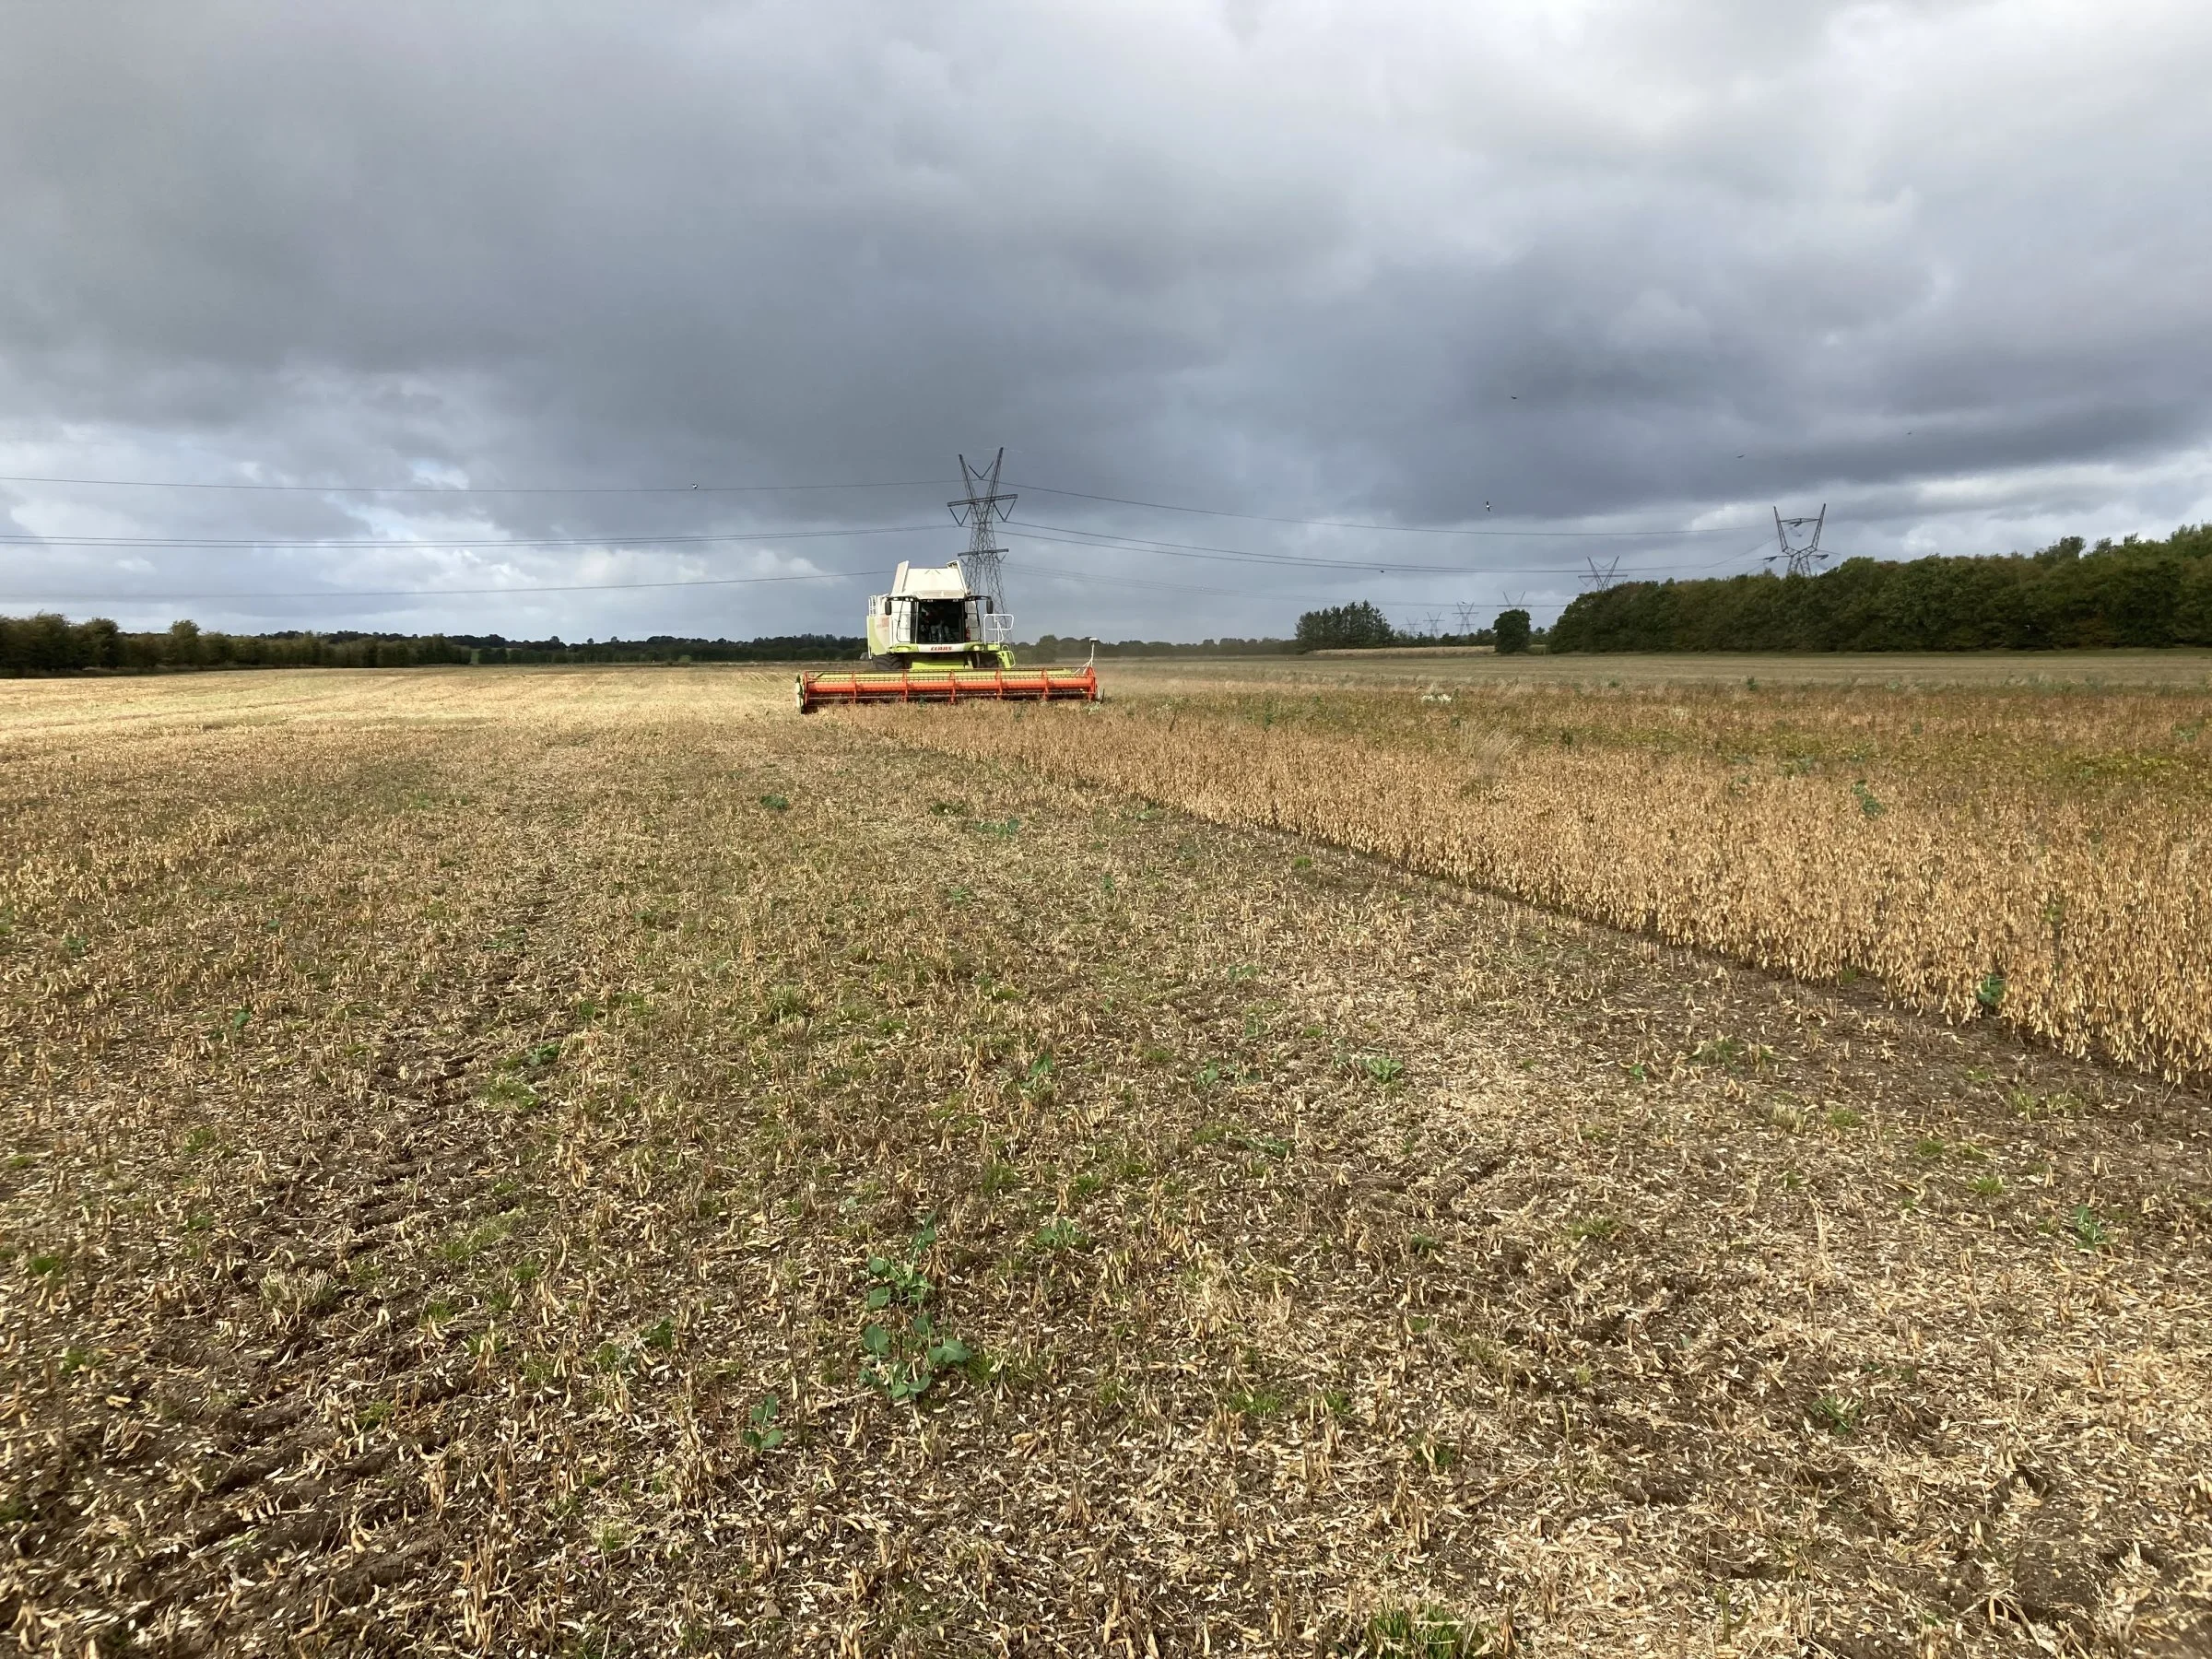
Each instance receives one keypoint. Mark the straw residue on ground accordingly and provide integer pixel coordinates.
(462, 1133)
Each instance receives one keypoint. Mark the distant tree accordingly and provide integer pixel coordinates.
(2131, 593)
(1344, 628)
(1511, 632)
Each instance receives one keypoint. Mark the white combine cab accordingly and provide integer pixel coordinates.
(930, 619)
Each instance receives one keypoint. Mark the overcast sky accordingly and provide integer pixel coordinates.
(1553, 266)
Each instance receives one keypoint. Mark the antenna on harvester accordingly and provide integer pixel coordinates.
(1599, 580)
(982, 510)
(1801, 555)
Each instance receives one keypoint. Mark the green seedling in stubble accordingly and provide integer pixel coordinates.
(1435, 1455)
(1417, 1633)
(1838, 1416)
(2090, 1233)
(1382, 1069)
(760, 1433)
(611, 1357)
(905, 1350)
(776, 803)
(1254, 1402)
(1061, 1233)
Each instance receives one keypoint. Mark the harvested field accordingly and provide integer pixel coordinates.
(465, 1127)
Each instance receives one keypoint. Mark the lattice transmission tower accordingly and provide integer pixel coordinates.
(1601, 577)
(982, 565)
(1800, 554)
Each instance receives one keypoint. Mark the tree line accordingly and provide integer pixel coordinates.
(1054, 648)
(2131, 593)
(1361, 626)
(49, 643)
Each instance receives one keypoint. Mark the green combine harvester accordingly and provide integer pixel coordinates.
(941, 635)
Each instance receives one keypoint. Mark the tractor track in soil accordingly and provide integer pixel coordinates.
(252, 1441)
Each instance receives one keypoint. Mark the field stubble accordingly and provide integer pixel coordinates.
(459, 1128)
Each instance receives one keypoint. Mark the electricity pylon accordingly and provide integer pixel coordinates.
(1799, 558)
(982, 565)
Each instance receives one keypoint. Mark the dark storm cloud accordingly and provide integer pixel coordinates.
(1595, 266)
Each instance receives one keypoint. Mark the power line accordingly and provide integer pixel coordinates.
(1074, 537)
(581, 587)
(1069, 535)
(1259, 518)
(365, 545)
(834, 575)
(618, 489)
(596, 587)
(469, 489)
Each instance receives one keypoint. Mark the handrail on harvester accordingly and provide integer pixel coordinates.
(958, 685)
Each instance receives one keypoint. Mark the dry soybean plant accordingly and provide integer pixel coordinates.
(2038, 858)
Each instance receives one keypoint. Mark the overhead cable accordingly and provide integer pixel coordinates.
(467, 489)
(618, 489)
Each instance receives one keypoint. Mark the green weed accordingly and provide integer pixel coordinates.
(760, 1433)
(1416, 1633)
(1838, 1416)
(1382, 1069)
(905, 1350)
